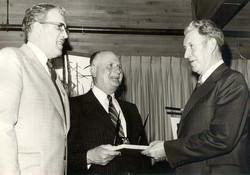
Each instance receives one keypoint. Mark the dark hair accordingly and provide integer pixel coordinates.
(207, 28)
(37, 12)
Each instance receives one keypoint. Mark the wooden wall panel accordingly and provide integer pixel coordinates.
(113, 13)
(160, 14)
(127, 44)
(12, 39)
(239, 47)
(140, 13)
(3, 11)
(86, 44)
(17, 8)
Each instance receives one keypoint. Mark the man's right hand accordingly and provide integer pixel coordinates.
(101, 155)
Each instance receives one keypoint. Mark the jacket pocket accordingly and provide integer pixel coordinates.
(29, 163)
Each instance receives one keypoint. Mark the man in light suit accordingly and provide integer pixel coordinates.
(212, 134)
(34, 115)
(92, 132)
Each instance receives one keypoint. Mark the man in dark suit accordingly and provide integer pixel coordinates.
(212, 134)
(93, 131)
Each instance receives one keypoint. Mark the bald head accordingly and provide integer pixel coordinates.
(106, 71)
(101, 54)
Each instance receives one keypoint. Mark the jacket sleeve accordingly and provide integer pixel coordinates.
(10, 94)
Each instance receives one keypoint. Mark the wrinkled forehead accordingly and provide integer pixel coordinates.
(193, 37)
(107, 57)
(55, 15)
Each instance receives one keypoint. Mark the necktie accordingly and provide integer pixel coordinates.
(53, 78)
(115, 118)
(198, 84)
(52, 71)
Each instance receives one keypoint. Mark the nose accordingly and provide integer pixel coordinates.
(118, 69)
(187, 53)
(65, 34)
(64, 31)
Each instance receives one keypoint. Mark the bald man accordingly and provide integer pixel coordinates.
(92, 130)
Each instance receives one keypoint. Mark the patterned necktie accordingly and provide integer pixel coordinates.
(53, 78)
(52, 71)
(115, 118)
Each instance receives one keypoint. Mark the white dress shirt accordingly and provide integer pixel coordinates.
(43, 60)
(205, 76)
(102, 98)
(40, 55)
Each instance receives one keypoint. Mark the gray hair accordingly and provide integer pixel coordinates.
(37, 12)
(207, 28)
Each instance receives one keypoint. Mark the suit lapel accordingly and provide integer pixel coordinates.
(97, 110)
(203, 89)
(65, 102)
(46, 83)
(197, 95)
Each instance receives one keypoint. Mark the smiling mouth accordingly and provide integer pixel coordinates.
(115, 79)
(61, 42)
(192, 61)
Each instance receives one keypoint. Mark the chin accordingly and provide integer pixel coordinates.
(59, 53)
(115, 85)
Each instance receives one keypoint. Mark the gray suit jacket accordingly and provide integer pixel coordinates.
(212, 135)
(33, 126)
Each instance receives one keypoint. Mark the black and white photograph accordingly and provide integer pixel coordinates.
(124, 87)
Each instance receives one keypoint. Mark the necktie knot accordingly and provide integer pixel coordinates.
(109, 98)
(198, 84)
(49, 64)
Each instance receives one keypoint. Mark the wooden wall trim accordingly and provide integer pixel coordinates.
(136, 31)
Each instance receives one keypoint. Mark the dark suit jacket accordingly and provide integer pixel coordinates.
(91, 126)
(212, 134)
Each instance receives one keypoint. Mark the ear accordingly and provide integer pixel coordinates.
(212, 44)
(93, 71)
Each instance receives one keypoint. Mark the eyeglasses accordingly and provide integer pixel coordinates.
(61, 26)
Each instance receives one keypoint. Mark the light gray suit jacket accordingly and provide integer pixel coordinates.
(33, 126)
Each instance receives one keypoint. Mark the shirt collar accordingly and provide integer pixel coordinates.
(205, 76)
(39, 53)
(100, 95)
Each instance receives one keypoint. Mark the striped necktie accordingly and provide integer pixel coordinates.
(115, 118)
(53, 78)
(52, 71)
